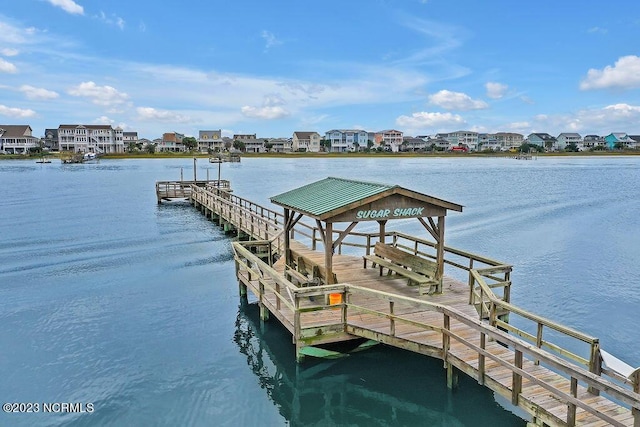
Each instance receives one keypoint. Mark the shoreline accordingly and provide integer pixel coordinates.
(56, 155)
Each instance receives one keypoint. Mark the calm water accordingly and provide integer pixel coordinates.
(108, 298)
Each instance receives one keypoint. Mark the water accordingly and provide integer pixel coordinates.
(110, 299)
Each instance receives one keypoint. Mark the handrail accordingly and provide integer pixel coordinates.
(275, 283)
(481, 292)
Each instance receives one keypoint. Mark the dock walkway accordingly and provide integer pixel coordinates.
(469, 325)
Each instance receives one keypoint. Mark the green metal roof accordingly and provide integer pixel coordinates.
(328, 194)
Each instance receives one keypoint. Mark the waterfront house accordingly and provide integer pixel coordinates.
(410, 143)
(129, 138)
(509, 140)
(488, 141)
(306, 141)
(17, 139)
(252, 144)
(210, 140)
(618, 140)
(462, 138)
(543, 140)
(636, 144)
(50, 140)
(389, 139)
(565, 139)
(90, 139)
(171, 141)
(343, 140)
(592, 141)
(280, 145)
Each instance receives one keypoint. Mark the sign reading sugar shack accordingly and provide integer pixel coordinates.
(388, 213)
(392, 207)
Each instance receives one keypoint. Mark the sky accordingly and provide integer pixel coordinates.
(279, 66)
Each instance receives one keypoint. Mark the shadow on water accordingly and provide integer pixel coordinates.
(379, 387)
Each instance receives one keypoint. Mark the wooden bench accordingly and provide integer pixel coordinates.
(419, 271)
(305, 271)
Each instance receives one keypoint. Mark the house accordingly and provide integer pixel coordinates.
(635, 145)
(129, 138)
(592, 141)
(410, 143)
(617, 140)
(488, 141)
(210, 140)
(565, 139)
(306, 141)
(252, 144)
(171, 141)
(280, 145)
(543, 140)
(389, 139)
(463, 138)
(50, 140)
(17, 139)
(90, 139)
(509, 140)
(343, 140)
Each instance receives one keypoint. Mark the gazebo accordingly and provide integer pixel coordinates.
(337, 200)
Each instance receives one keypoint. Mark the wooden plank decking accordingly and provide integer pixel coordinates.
(553, 390)
(497, 376)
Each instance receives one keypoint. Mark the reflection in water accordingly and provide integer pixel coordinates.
(382, 386)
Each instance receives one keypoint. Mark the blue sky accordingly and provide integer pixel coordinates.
(274, 67)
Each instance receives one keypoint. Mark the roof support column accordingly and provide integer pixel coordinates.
(383, 231)
(328, 251)
(287, 237)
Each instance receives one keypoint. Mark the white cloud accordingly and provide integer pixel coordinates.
(9, 51)
(422, 120)
(496, 90)
(68, 6)
(112, 19)
(456, 101)
(99, 95)
(270, 39)
(602, 121)
(37, 93)
(266, 112)
(149, 113)
(625, 74)
(599, 30)
(7, 67)
(104, 120)
(16, 112)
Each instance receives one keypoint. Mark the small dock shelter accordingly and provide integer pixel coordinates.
(337, 200)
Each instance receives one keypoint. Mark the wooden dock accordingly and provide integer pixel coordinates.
(469, 324)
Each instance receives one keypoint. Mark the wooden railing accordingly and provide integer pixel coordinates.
(183, 189)
(263, 280)
(489, 280)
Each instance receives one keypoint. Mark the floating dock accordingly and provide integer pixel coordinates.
(326, 283)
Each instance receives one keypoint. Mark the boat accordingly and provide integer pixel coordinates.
(43, 160)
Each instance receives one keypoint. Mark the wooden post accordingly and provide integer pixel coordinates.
(287, 238)
(516, 382)
(382, 230)
(297, 329)
(452, 374)
(328, 251)
(440, 253)
(392, 320)
(483, 342)
(264, 312)
(595, 364)
(194, 170)
(571, 410)
(635, 378)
